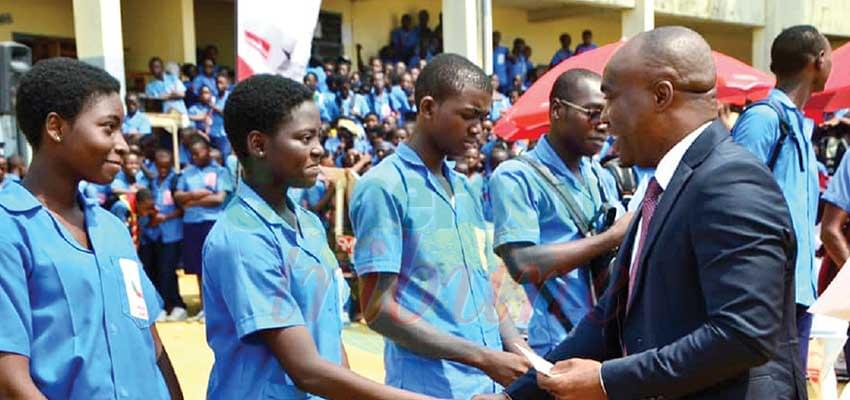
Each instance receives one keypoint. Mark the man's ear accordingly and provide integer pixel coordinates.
(428, 107)
(662, 92)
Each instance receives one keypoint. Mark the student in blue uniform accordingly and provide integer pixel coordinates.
(160, 251)
(501, 64)
(536, 233)
(564, 52)
(218, 138)
(500, 103)
(200, 192)
(800, 57)
(136, 124)
(400, 97)
(201, 113)
(76, 307)
(271, 280)
(206, 77)
(131, 178)
(165, 87)
(379, 99)
(421, 249)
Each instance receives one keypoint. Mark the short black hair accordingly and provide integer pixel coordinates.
(448, 75)
(565, 36)
(566, 83)
(794, 48)
(144, 194)
(586, 32)
(153, 60)
(61, 85)
(262, 102)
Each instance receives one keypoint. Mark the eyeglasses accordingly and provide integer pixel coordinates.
(591, 114)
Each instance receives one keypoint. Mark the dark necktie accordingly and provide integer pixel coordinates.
(650, 201)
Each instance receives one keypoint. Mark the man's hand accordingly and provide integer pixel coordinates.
(504, 367)
(574, 379)
(494, 396)
(621, 227)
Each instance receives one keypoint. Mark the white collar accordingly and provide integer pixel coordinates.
(668, 164)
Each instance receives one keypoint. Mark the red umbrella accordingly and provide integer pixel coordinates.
(529, 117)
(836, 93)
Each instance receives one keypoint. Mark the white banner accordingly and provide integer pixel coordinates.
(274, 36)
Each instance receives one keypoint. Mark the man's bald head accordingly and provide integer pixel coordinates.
(674, 53)
(660, 85)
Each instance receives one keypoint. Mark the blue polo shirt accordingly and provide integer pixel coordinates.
(339, 107)
(212, 177)
(81, 316)
(406, 223)
(500, 65)
(757, 129)
(526, 209)
(398, 101)
(520, 67)
(584, 47)
(406, 41)
(122, 182)
(217, 127)
(261, 273)
(200, 109)
(94, 191)
(380, 104)
(172, 230)
(138, 122)
(202, 80)
(559, 56)
(161, 87)
(838, 191)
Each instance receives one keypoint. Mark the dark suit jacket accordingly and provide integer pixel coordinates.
(712, 314)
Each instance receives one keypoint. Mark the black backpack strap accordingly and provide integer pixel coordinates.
(784, 132)
(582, 223)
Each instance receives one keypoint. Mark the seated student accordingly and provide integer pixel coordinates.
(136, 123)
(421, 249)
(200, 192)
(271, 280)
(346, 103)
(401, 97)
(77, 310)
(205, 77)
(161, 238)
(379, 99)
(131, 178)
(202, 112)
(398, 137)
(217, 136)
(165, 87)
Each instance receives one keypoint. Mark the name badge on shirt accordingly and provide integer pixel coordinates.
(500, 59)
(167, 200)
(210, 179)
(133, 286)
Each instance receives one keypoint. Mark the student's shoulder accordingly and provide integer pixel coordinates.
(512, 168)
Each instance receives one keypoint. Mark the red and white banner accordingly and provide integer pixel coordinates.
(274, 36)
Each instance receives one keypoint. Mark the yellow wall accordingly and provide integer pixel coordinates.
(542, 36)
(215, 23)
(38, 17)
(151, 28)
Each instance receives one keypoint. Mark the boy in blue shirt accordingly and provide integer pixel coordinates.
(205, 77)
(272, 282)
(379, 99)
(538, 237)
(131, 178)
(136, 123)
(201, 193)
(586, 42)
(501, 63)
(218, 138)
(201, 113)
(165, 87)
(801, 60)
(421, 249)
(564, 52)
(77, 310)
(401, 97)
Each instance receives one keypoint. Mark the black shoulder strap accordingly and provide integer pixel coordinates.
(784, 132)
(584, 225)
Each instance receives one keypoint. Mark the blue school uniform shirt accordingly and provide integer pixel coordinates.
(406, 223)
(757, 129)
(559, 56)
(160, 87)
(520, 67)
(212, 177)
(501, 65)
(380, 104)
(261, 273)
(136, 123)
(326, 101)
(838, 191)
(399, 103)
(406, 41)
(498, 105)
(172, 230)
(347, 107)
(526, 209)
(321, 77)
(200, 109)
(94, 191)
(584, 47)
(217, 127)
(81, 316)
(122, 181)
(202, 80)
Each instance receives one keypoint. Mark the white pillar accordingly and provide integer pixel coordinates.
(463, 28)
(639, 19)
(97, 30)
(778, 15)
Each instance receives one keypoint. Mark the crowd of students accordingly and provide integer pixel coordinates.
(248, 214)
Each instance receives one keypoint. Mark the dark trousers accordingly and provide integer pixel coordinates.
(804, 330)
(160, 261)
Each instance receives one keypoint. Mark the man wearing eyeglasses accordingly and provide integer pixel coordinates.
(550, 208)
